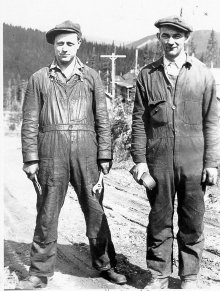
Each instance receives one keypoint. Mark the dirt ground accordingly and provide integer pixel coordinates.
(127, 210)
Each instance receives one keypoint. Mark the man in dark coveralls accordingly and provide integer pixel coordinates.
(66, 138)
(175, 137)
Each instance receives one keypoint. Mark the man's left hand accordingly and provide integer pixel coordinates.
(209, 176)
(105, 166)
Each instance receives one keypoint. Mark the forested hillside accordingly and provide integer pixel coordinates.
(204, 44)
(26, 50)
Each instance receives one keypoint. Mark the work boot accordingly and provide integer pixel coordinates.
(114, 277)
(158, 283)
(188, 283)
(32, 282)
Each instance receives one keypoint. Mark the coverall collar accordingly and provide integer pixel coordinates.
(179, 61)
(160, 62)
(77, 69)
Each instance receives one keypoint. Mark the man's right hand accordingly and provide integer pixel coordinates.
(139, 169)
(31, 169)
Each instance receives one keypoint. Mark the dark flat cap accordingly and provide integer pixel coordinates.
(65, 27)
(176, 21)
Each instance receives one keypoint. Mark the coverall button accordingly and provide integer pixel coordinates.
(173, 107)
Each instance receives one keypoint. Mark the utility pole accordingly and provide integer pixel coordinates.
(107, 80)
(113, 57)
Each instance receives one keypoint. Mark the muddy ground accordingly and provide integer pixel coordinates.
(127, 210)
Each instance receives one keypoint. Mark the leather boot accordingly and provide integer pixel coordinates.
(188, 283)
(157, 283)
(114, 277)
(32, 282)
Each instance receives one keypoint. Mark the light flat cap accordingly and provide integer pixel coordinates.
(65, 27)
(176, 21)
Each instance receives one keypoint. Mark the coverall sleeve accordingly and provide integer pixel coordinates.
(102, 124)
(139, 137)
(29, 129)
(211, 125)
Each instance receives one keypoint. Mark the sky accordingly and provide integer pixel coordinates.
(121, 21)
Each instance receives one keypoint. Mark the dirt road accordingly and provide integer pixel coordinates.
(127, 210)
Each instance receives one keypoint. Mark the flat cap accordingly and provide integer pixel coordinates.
(65, 27)
(176, 21)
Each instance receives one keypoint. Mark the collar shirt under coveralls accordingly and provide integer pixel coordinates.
(175, 130)
(66, 128)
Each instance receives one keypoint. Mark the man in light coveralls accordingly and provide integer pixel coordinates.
(66, 138)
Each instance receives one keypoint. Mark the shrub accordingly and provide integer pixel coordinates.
(121, 131)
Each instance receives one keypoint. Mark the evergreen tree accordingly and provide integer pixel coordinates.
(150, 53)
(158, 50)
(191, 47)
(212, 51)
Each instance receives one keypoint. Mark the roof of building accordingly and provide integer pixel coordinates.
(124, 84)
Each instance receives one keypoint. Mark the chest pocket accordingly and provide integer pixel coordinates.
(78, 109)
(192, 112)
(79, 103)
(158, 112)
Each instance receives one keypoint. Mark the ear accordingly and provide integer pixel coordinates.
(158, 36)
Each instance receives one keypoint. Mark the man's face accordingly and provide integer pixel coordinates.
(172, 41)
(65, 47)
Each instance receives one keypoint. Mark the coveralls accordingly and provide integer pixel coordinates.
(66, 128)
(175, 131)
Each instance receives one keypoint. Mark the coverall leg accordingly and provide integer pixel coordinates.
(175, 174)
(69, 156)
(191, 206)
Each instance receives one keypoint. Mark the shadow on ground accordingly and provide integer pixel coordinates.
(74, 259)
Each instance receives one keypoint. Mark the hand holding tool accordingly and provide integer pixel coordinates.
(146, 180)
(37, 186)
(98, 186)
